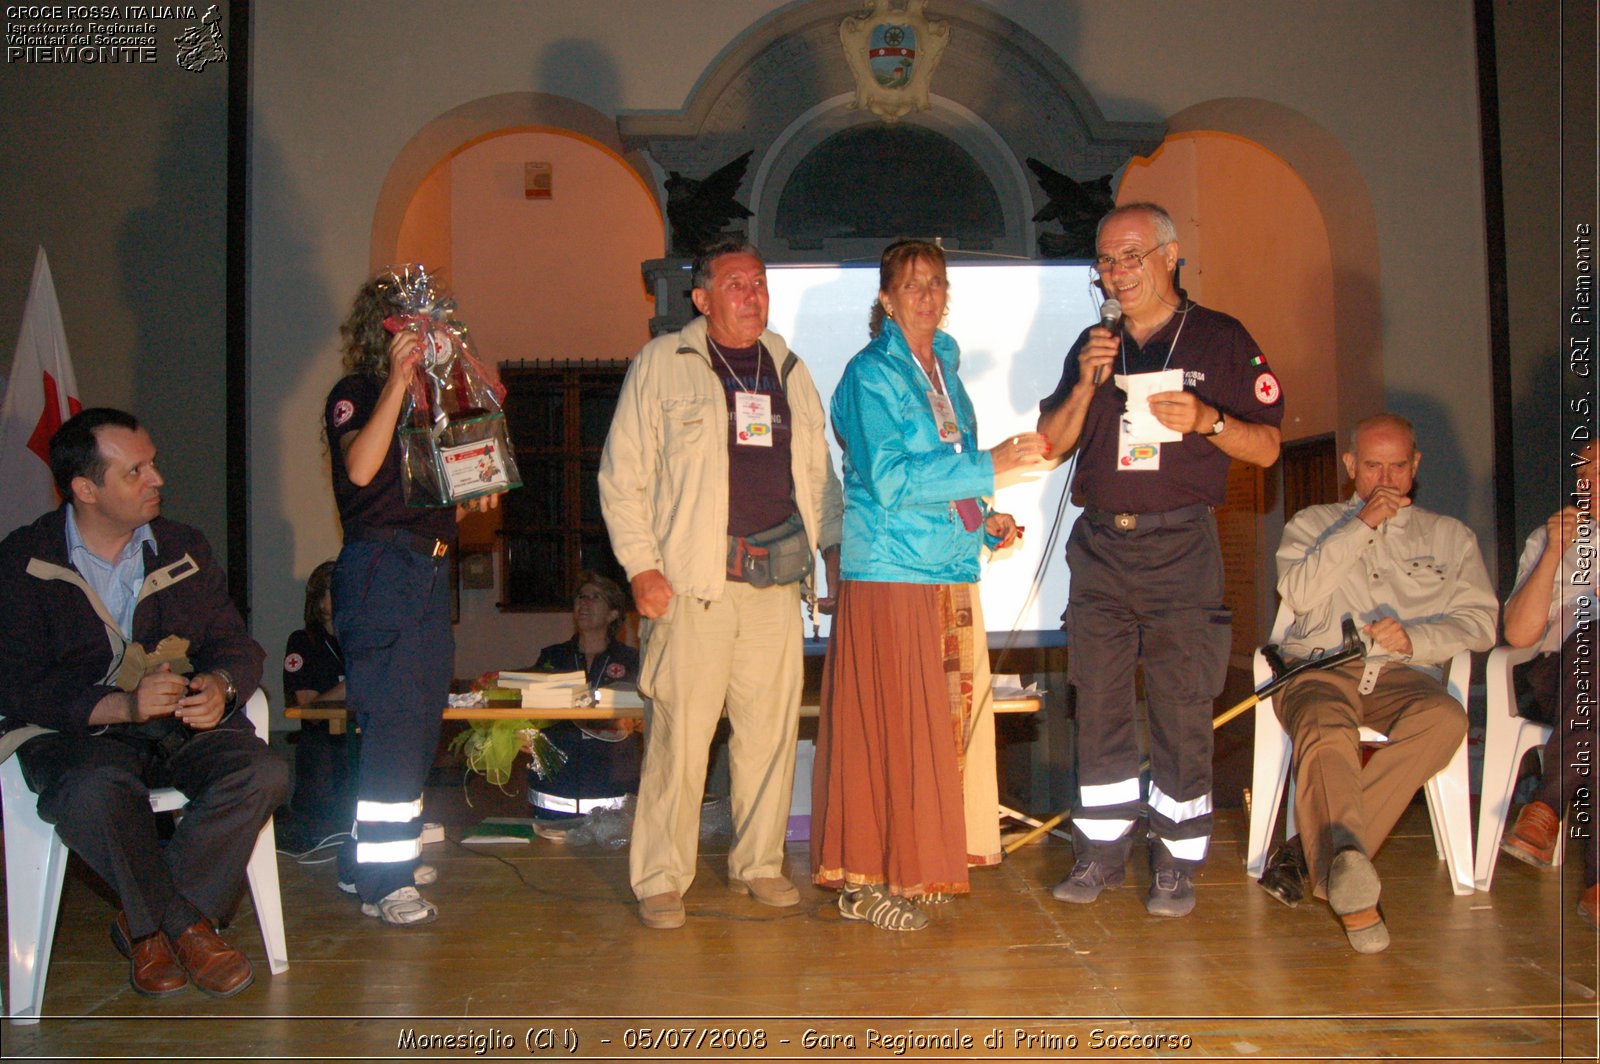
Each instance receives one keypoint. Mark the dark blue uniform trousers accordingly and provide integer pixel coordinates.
(391, 606)
(1150, 594)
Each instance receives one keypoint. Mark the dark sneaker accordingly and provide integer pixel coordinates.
(881, 909)
(1171, 893)
(1285, 875)
(1085, 882)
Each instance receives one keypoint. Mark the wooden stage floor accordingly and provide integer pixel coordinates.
(539, 943)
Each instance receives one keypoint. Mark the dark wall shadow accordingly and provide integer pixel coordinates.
(171, 261)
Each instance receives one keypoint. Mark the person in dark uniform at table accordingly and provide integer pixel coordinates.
(603, 757)
(1145, 559)
(313, 671)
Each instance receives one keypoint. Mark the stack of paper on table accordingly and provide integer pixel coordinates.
(546, 690)
(561, 690)
(619, 698)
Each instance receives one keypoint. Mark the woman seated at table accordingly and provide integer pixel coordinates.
(603, 757)
(313, 671)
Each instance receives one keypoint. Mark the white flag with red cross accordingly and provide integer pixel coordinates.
(42, 393)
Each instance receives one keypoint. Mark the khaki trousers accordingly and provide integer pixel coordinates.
(1338, 801)
(742, 652)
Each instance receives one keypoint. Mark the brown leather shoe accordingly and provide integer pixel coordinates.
(215, 967)
(662, 911)
(1533, 838)
(152, 969)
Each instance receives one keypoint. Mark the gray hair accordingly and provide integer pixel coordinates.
(700, 276)
(1166, 232)
(1383, 420)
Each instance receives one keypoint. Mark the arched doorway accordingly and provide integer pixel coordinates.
(1255, 245)
(547, 279)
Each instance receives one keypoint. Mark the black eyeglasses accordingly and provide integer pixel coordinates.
(1128, 260)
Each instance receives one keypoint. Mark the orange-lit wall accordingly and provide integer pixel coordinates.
(1254, 245)
(426, 234)
(556, 278)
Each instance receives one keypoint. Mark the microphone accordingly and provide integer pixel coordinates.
(1110, 315)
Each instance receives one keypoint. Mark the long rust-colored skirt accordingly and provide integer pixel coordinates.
(886, 793)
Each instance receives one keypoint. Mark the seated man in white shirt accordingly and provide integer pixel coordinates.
(1416, 584)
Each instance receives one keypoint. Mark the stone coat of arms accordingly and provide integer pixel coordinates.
(892, 52)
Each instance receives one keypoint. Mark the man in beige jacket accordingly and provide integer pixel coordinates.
(719, 437)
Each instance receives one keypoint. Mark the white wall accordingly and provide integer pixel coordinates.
(339, 89)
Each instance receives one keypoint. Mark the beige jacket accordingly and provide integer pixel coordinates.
(664, 472)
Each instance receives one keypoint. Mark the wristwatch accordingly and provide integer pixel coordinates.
(1221, 423)
(230, 693)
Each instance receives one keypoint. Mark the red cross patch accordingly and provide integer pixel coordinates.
(1267, 390)
(293, 663)
(344, 410)
(615, 671)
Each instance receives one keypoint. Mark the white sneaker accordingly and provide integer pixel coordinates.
(402, 908)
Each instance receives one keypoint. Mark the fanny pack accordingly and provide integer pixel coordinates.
(778, 555)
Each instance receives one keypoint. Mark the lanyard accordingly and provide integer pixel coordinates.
(938, 369)
(1183, 318)
(761, 349)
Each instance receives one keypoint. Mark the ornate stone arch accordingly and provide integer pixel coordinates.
(1000, 94)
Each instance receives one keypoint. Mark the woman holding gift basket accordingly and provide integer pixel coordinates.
(394, 427)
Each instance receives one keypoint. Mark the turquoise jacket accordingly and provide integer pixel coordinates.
(900, 481)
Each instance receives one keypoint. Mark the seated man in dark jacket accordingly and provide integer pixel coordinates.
(121, 648)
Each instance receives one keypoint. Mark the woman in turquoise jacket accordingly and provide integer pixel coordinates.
(900, 706)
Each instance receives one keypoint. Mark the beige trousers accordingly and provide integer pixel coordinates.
(1338, 801)
(742, 652)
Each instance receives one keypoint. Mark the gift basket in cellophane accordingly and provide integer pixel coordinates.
(454, 444)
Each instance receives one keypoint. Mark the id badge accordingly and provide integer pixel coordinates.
(1133, 455)
(944, 415)
(752, 419)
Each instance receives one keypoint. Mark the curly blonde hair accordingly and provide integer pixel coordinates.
(366, 341)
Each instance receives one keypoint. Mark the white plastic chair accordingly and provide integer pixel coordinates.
(1506, 738)
(1449, 803)
(36, 864)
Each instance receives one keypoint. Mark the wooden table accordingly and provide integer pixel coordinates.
(336, 715)
(338, 718)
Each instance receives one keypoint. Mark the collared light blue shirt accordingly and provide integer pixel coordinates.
(117, 583)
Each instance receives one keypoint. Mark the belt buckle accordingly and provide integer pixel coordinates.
(440, 548)
(1125, 522)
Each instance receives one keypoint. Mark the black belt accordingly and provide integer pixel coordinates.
(400, 537)
(1127, 522)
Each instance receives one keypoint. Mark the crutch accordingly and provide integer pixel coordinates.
(1351, 649)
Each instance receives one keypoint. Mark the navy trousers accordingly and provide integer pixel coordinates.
(1151, 596)
(96, 790)
(391, 606)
